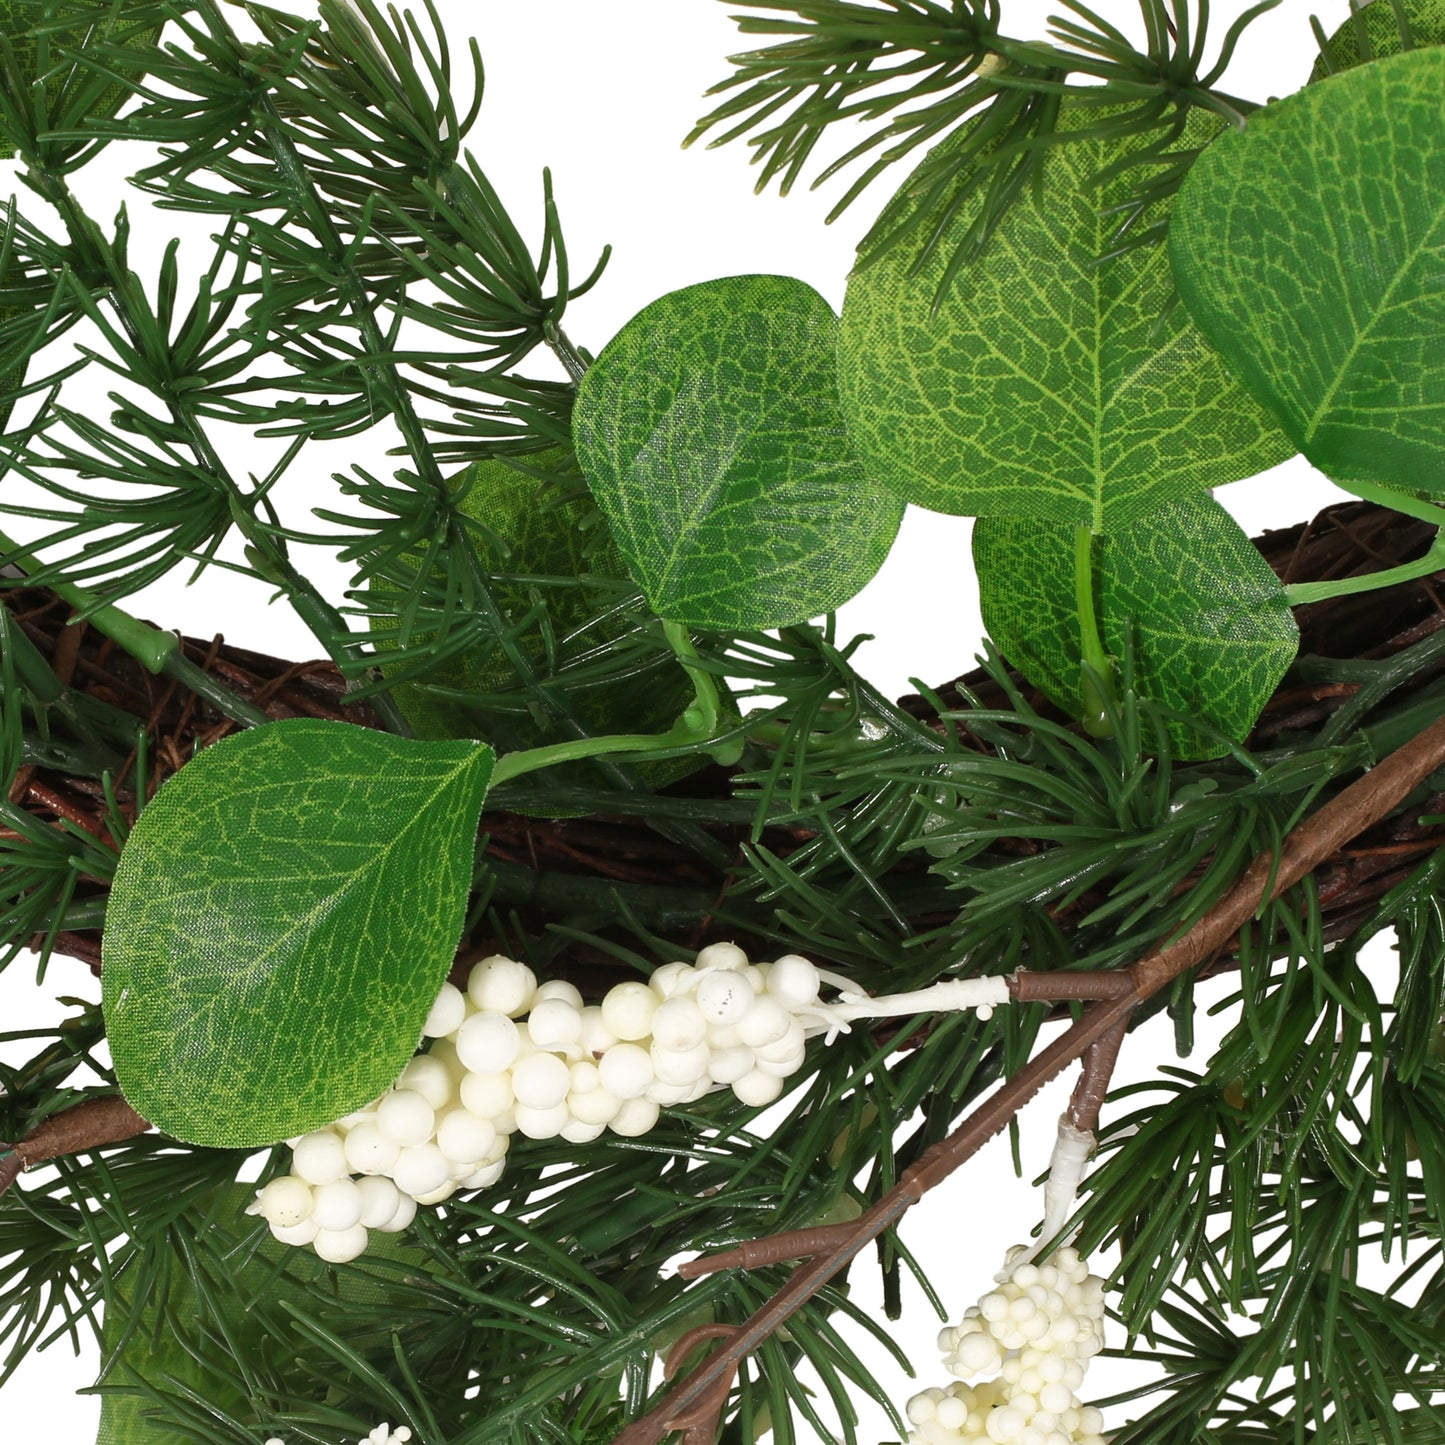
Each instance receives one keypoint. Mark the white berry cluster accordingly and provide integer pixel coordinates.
(512, 1056)
(1037, 1332)
(382, 1435)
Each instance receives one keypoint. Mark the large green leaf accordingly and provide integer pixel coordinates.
(1373, 32)
(281, 919)
(1310, 248)
(1048, 384)
(1211, 631)
(710, 433)
(173, 1342)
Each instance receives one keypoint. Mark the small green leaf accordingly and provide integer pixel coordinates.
(1310, 248)
(1212, 633)
(283, 914)
(710, 433)
(1049, 383)
(1379, 27)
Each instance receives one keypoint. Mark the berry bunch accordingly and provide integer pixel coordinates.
(513, 1056)
(382, 1435)
(1037, 1331)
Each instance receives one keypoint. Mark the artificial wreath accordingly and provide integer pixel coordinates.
(443, 981)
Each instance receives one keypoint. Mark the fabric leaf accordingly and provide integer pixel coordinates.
(283, 914)
(1310, 248)
(1380, 29)
(710, 433)
(1211, 631)
(1049, 383)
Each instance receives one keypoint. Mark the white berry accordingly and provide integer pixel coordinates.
(722, 955)
(766, 1022)
(554, 1023)
(465, 1137)
(635, 1118)
(340, 1246)
(380, 1199)
(338, 1205)
(559, 988)
(420, 1169)
(428, 1077)
(319, 1158)
(627, 1010)
(625, 1071)
(405, 1213)
(406, 1118)
(793, 981)
(502, 985)
(724, 997)
(678, 1025)
(488, 1042)
(540, 1081)
(488, 1095)
(369, 1151)
(446, 1013)
(286, 1201)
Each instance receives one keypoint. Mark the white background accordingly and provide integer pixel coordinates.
(604, 94)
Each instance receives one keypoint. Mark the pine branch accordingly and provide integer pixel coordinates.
(694, 1405)
(942, 71)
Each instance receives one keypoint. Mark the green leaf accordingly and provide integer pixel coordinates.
(283, 914)
(1211, 631)
(710, 434)
(1309, 248)
(163, 1345)
(1377, 25)
(1049, 383)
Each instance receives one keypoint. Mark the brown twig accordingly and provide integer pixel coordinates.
(699, 1395)
(104, 1119)
(1088, 1096)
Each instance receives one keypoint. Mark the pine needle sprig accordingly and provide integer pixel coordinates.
(949, 72)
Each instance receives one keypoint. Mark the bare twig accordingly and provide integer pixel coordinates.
(1088, 1096)
(695, 1404)
(105, 1119)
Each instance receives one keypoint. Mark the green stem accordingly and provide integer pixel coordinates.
(1096, 676)
(156, 651)
(565, 352)
(697, 724)
(1298, 593)
(148, 645)
(1396, 500)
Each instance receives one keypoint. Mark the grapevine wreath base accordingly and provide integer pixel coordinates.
(542, 867)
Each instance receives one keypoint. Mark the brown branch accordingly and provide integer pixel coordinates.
(104, 1119)
(1088, 1096)
(699, 1395)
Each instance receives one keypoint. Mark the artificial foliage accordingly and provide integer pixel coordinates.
(583, 717)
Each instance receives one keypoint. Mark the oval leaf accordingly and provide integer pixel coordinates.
(281, 919)
(1310, 248)
(1049, 383)
(710, 433)
(1211, 631)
